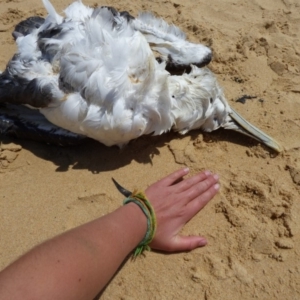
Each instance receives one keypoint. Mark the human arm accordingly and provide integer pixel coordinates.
(80, 262)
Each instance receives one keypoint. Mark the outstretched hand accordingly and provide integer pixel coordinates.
(175, 201)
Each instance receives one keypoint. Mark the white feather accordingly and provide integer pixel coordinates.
(53, 16)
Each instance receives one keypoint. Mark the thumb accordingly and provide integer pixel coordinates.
(187, 243)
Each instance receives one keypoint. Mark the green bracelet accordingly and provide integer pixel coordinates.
(140, 199)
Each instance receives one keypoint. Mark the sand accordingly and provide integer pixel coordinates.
(253, 225)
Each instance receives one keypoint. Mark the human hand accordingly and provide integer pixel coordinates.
(175, 202)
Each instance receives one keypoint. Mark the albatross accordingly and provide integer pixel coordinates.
(107, 75)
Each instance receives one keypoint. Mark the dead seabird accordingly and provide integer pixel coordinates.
(106, 75)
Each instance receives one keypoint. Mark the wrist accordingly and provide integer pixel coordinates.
(137, 221)
(140, 199)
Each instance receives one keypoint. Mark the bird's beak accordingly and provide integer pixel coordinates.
(244, 127)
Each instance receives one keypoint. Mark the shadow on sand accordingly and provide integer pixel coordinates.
(95, 157)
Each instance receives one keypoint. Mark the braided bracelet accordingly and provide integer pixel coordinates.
(140, 199)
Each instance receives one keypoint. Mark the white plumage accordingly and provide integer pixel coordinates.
(94, 72)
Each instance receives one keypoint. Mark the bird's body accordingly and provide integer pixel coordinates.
(105, 75)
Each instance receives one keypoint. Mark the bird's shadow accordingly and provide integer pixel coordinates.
(96, 157)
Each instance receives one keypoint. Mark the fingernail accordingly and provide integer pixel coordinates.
(202, 243)
(207, 172)
(217, 186)
(186, 170)
(216, 176)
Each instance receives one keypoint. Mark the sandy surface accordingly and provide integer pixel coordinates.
(253, 225)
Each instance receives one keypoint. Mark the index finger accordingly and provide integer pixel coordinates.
(173, 177)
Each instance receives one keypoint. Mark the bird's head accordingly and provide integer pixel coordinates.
(199, 102)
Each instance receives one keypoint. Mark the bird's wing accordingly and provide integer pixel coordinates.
(171, 42)
(22, 122)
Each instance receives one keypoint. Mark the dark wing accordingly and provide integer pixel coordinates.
(22, 122)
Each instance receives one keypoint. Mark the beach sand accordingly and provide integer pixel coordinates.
(252, 225)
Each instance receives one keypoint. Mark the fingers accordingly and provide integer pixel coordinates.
(185, 184)
(190, 182)
(170, 179)
(201, 187)
(186, 243)
(199, 202)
